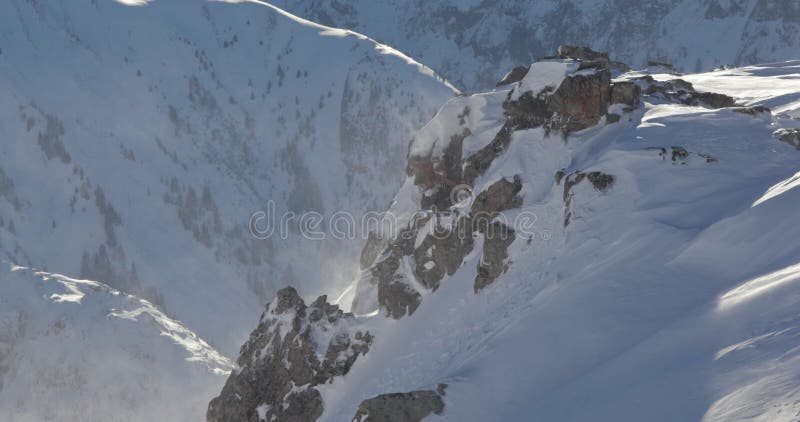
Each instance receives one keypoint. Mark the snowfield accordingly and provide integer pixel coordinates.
(671, 296)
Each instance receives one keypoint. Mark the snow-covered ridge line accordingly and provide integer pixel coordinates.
(76, 289)
(339, 32)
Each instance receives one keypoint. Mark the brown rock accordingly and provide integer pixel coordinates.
(625, 93)
(497, 238)
(514, 76)
(281, 357)
(413, 406)
(581, 100)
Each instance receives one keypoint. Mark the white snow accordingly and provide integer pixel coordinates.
(676, 289)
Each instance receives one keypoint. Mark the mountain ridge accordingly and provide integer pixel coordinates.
(627, 284)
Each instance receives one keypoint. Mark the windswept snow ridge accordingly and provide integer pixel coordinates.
(339, 32)
(73, 349)
(473, 43)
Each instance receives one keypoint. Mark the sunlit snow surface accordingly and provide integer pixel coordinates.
(671, 297)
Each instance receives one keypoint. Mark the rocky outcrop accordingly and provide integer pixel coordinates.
(497, 238)
(752, 111)
(789, 136)
(679, 155)
(625, 92)
(683, 92)
(501, 195)
(514, 76)
(403, 269)
(294, 348)
(413, 406)
(581, 100)
(435, 242)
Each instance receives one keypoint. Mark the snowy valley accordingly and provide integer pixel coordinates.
(585, 237)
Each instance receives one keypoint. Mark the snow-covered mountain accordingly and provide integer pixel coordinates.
(569, 247)
(137, 142)
(473, 42)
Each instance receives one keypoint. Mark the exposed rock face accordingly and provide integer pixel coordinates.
(625, 92)
(514, 76)
(413, 406)
(440, 250)
(789, 136)
(582, 53)
(497, 238)
(435, 242)
(499, 196)
(294, 348)
(683, 92)
(582, 100)
(753, 111)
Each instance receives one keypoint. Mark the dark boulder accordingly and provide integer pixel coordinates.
(497, 238)
(514, 76)
(413, 406)
(582, 53)
(581, 100)
(683, 92)
(753, 111)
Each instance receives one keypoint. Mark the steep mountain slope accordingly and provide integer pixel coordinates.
(80, 350)
(137, 142)
(472, 43)
(567, 247)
